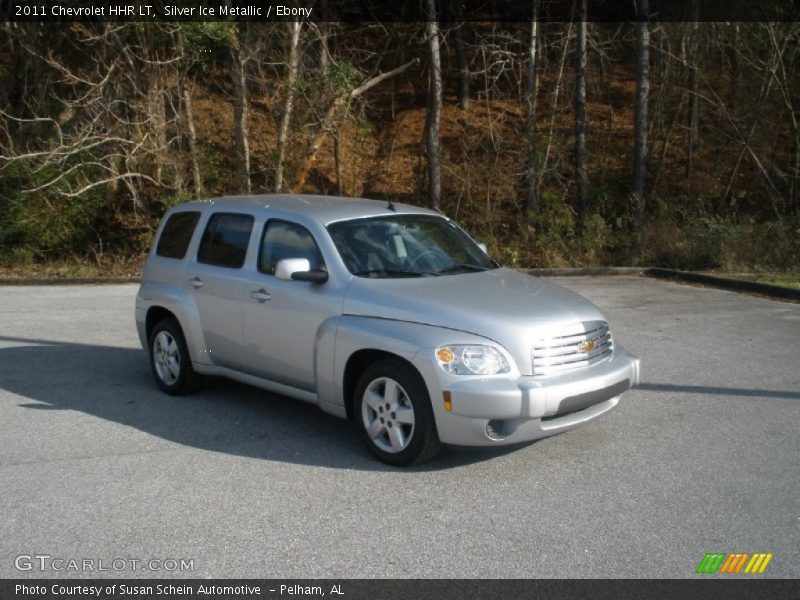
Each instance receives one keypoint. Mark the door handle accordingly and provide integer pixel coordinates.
(260, 295)
(196, 282)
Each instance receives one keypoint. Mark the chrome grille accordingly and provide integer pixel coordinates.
(561, 354)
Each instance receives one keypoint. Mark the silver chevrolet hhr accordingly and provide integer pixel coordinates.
(386, 314)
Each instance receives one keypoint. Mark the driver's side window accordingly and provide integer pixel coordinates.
(283, 239)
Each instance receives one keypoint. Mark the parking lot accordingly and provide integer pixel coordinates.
(96, 463)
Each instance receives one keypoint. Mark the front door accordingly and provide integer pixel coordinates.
(281, 318)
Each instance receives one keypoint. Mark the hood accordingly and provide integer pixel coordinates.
(503, 305)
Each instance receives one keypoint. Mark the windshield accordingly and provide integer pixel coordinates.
(407, 246)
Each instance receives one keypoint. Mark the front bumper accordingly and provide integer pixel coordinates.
(525, 408)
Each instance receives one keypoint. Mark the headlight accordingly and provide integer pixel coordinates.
(471, 360)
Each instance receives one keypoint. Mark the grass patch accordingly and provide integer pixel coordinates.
(72, 269)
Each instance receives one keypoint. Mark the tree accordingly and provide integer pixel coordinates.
(291, 79)
(463, 63)
(187, 37)
(785, 53)
(192, 135)
(323, 32)
(531, 89)
(110, 122)
(581, 174)
(736, 65)
(434, 108)
(240, 57)
(640, 123)
(691, 117)
(548, 146)
(328, 122)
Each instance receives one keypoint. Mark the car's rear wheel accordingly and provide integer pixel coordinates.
(169, 359)
(393, 412)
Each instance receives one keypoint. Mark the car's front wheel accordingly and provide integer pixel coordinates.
(169, 359)
(394, 415)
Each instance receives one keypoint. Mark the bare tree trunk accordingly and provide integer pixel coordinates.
(283, 132)
(324, 52)
(665, 147)
(642, 91)
(239, 60)
(581, 175)
(691, 123)
(554, 103)
(434, 108)
(463, 67)
(736, 66)
(324, 61)
(156, 123)
(190, 128)
(532, 75)
(531, 89)
(337, 157)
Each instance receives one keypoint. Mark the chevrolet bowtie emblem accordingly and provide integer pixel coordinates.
(587, 346)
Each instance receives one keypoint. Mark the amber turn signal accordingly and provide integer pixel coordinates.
(448, 401)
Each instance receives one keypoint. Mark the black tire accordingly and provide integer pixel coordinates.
(421, 439)
(186, 380)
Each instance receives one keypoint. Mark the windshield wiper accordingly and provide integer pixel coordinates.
(462, 267)
(394, 272)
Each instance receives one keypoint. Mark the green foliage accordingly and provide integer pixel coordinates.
(340, 79)
(44, 226)
(205, 41)
(202, 34)
(594, 240)
(215, 164)
(554, 226)
(343, 77)
(560, 241)
(790, 280)
(719, 243)
(509, 256)
(170, 201)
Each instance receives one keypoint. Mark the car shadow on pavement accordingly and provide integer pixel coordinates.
(718, 391)
(115, 384)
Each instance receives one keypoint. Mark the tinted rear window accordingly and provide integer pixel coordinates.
(177, 234)
(225, 240)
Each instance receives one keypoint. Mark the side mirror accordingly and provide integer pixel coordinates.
(298, 269)
(482, 246)
(317, 276)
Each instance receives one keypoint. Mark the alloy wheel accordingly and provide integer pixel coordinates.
(166, 358)
(388, 415)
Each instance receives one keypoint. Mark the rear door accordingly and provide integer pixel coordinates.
(217, 278)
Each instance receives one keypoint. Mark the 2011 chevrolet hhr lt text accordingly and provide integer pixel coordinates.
(386, 314)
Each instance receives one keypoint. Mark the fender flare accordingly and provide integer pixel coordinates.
(182, 304)
(341, 337)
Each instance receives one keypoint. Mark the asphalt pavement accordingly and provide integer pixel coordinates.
(96, 464)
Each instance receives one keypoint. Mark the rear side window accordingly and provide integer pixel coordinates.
(177, 234)
(287, 240)
(225, 240)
